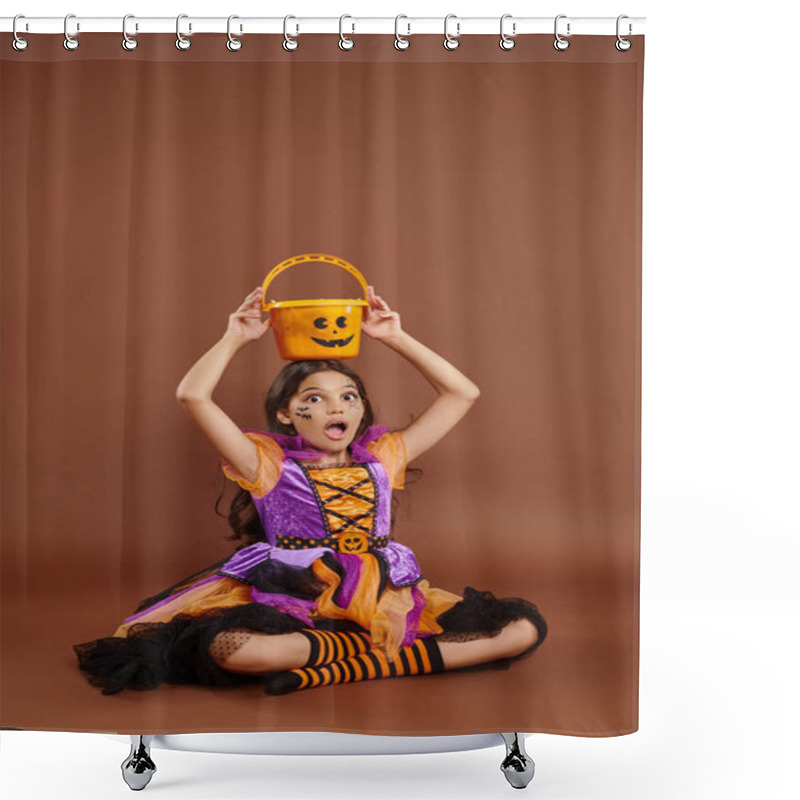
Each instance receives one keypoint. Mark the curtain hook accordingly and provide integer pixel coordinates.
(70, 42)
(182, 43)
(128, 42)
(506, 42)
(451, 42)
(19, 43)
(345, 42)
(290, 42)
(400, 42)
(623, 44)
(561, 43)
(234, 43)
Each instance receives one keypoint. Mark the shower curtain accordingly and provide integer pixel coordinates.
(491, 199)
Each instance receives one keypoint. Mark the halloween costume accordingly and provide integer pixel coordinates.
(327, 563)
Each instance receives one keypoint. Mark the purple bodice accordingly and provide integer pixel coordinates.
(294, 507)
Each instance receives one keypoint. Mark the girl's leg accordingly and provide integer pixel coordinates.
(425, 656)
(243, 650)
(246, 651)
(513, 639)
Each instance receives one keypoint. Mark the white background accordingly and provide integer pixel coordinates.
(719, 598)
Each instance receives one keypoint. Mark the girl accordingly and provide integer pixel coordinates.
(318, 592)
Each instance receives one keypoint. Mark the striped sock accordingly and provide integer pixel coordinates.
(422, 657)
(327, 646)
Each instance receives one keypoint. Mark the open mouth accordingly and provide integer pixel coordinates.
(336, 430)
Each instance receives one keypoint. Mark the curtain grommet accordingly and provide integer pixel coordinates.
(234, 43)
(70, 42)
(506, 41)
(182, 43)
(451, 42)
(622, 44)
(560, 42)
(128, 42)
(400, 42)
(18, 43)
(345, 42)
(290, 43)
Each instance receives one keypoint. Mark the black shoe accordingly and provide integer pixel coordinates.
(282, 683)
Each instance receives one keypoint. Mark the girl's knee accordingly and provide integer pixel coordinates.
(238, 651)
(520, 634)
(258, 653)
(516, 637)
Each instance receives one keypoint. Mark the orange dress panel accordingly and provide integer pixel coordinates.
(390, 449)
(270, 465)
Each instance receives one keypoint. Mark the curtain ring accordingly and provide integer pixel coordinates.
(19, 43)
(623, 44)
(128, 42)
(561, 43)
(451, 42)
(289, 42)
(234, 43)
(400, 42)
(182, 43)
(506, 42)
(345, 42)
(70, 42)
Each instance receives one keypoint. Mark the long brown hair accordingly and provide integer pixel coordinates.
(242, 515)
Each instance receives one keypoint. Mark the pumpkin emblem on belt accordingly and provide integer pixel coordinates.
(353, 542)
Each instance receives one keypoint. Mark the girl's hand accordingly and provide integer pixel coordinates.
(379, 322)
(245, 322)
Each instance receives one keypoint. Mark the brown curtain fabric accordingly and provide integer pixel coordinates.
(493, 199)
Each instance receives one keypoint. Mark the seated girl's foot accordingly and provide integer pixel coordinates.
(282, 683)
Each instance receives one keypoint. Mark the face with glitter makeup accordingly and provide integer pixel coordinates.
(326, 410)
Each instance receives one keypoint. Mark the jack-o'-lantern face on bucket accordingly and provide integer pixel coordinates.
(318, 329)
(332, 330)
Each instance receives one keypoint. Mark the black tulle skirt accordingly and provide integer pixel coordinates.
(177, 650)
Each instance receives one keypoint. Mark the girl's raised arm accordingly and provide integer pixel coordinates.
(195, 390)
(457, 393)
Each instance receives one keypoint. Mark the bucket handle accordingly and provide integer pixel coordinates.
(294, 260)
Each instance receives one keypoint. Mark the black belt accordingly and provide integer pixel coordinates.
(347, 542)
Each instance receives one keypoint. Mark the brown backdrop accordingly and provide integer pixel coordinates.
(493, 198)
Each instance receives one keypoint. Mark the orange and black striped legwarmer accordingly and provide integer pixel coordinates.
(421, 657)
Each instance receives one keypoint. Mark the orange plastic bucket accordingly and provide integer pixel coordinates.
(320, 328)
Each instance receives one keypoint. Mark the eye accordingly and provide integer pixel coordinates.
(321, 322)
(352, 394)
(341, 322)
(310, 398)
